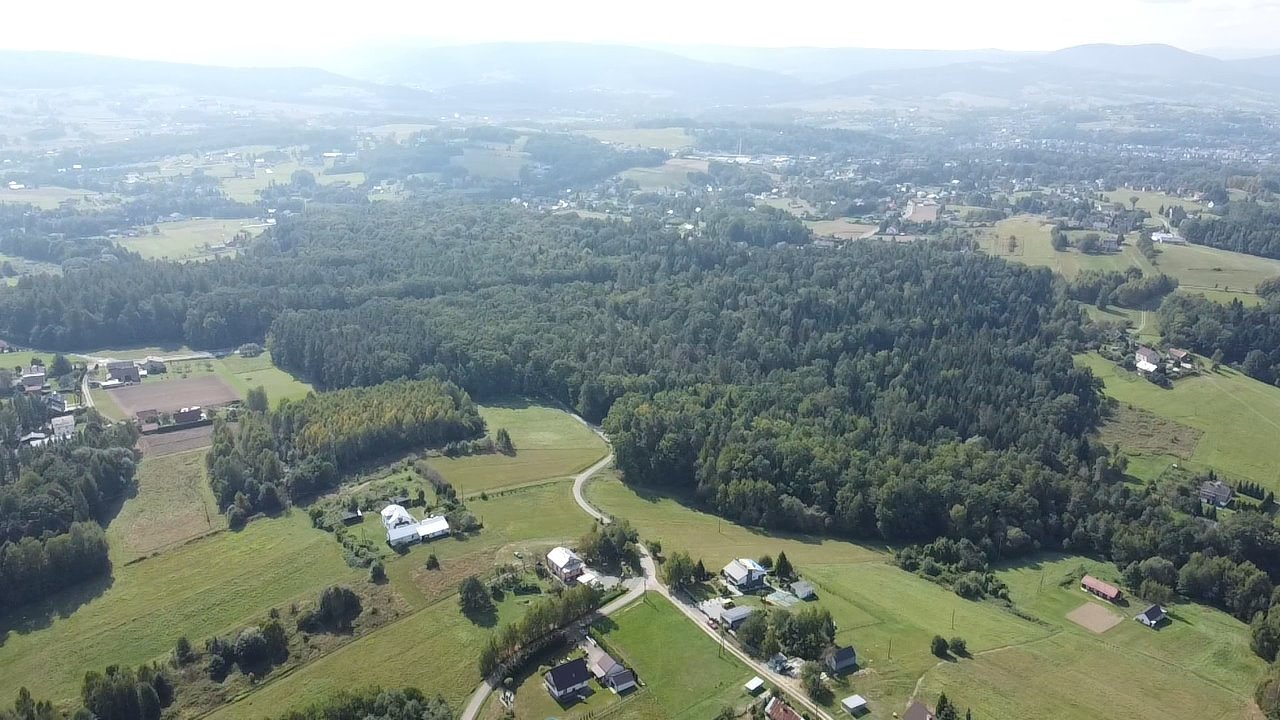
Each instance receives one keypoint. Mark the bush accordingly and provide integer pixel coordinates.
(251, 646)
(938, 646)
(432, 563)
(958, 647)
(377, 573)
(182, 652)
(217, 668)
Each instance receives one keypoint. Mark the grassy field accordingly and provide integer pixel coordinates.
(492, 162)
(1152, 201)
(716, 541)
(240, 374)
(1197, 666)
(49, 197)
(189, 239)
(209, 586)
(173, 504)
(435, 648)
(1141, 322)
(673, 174)
(681, 667)
(843, 228)
(1218, 274)
(549, 444)
(672, 138)
(1238, 416)
(247, 189)
(889, 616)
(795, 206)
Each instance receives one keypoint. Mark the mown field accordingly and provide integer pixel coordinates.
(173, 503)
(1197, 666)
(1220, 275)
(189, 239)
(673, 174)
(683, 670)
(549, 444)
(716, 541)
(209, 586)
(50, 197)
(1237, 416)
(492, 162)
(435, 647)
(672, 138)
(1153, 201)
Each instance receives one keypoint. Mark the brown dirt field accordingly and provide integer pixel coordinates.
(161, 444)
(170, 395)
(1095, 618)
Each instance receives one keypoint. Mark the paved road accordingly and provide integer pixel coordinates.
(85, 397)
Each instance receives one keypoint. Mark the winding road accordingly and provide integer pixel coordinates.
(649, 581)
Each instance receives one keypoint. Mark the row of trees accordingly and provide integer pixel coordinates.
(516, 642)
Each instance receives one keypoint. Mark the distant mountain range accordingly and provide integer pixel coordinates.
(571, 77)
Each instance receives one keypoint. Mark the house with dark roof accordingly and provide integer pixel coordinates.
(567, 679)
(352, 517)
(1152, 616)
(124, 371)
(840, 659)
(1217, 493)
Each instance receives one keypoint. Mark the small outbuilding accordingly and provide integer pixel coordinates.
(854, 704)
(733, 617)
(917, 711)
(351, 517)
(754, 685)
(804, 590)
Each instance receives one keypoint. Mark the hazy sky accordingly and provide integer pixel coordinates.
(288, 31)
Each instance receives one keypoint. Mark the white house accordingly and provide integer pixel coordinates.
(744, 574)
(432, 527)
(402, 535)
(566, 680)
(565, 563)
(395, 515)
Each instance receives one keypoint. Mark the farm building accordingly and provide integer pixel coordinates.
(124, 371)
(64, 426)
(1167, 238)
(33, 378)
(154, 365)
(804, 590)
(609, 672)
(733, 617)
(351, 517)
(402, 529)
(840, 659)
(1184, 358)
(917, 711)
(1152, 616)
(744, 574)
(1094, 586)
(856, 705)
(1216, 492)
(776, 709)
(567, 679)
(56, 402)
(33, 439)
(432, 527)
(565, 564)
(186, 415)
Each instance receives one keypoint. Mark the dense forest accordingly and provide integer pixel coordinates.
(1247, 336)
(51, 501)
(1247, 227)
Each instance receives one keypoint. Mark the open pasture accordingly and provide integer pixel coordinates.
(672, 174)
(841, 228)
(716, 541)
(1237, 416)
(683, 669)
(672, 138)
(173, 503)
(171, 395)
(211, 585)
(1199, 665)
(50, 197)
(196, 239)
(549, 443)
(491, 162)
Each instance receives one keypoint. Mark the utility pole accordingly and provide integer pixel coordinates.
(953, 618)
(890, 648)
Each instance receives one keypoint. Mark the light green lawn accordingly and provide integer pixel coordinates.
(492, 162)
(246, 189)
(209, 586)
(173, 503)
(189, 239)
(1238, 415)
(549, 443)
(49, 197)
(1151, 201)
(672, 138)
(682, 668)
(673, 174)
(1197, 666)
(242, 374)
(890, 615)
(703, 535)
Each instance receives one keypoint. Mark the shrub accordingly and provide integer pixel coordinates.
(958, 647)
(251, 646)
(432, 563)
(938, 646)
(377, 573)
(182, 652)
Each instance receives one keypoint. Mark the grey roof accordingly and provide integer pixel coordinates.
(841, 657)
(803, 589)
(1155, 613)
(736, 614)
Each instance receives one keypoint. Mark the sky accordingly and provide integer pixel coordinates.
(290, 32)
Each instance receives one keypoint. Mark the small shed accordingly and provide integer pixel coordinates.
(804, 590)
(854, 704)
(352, 517)
(754, 685)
